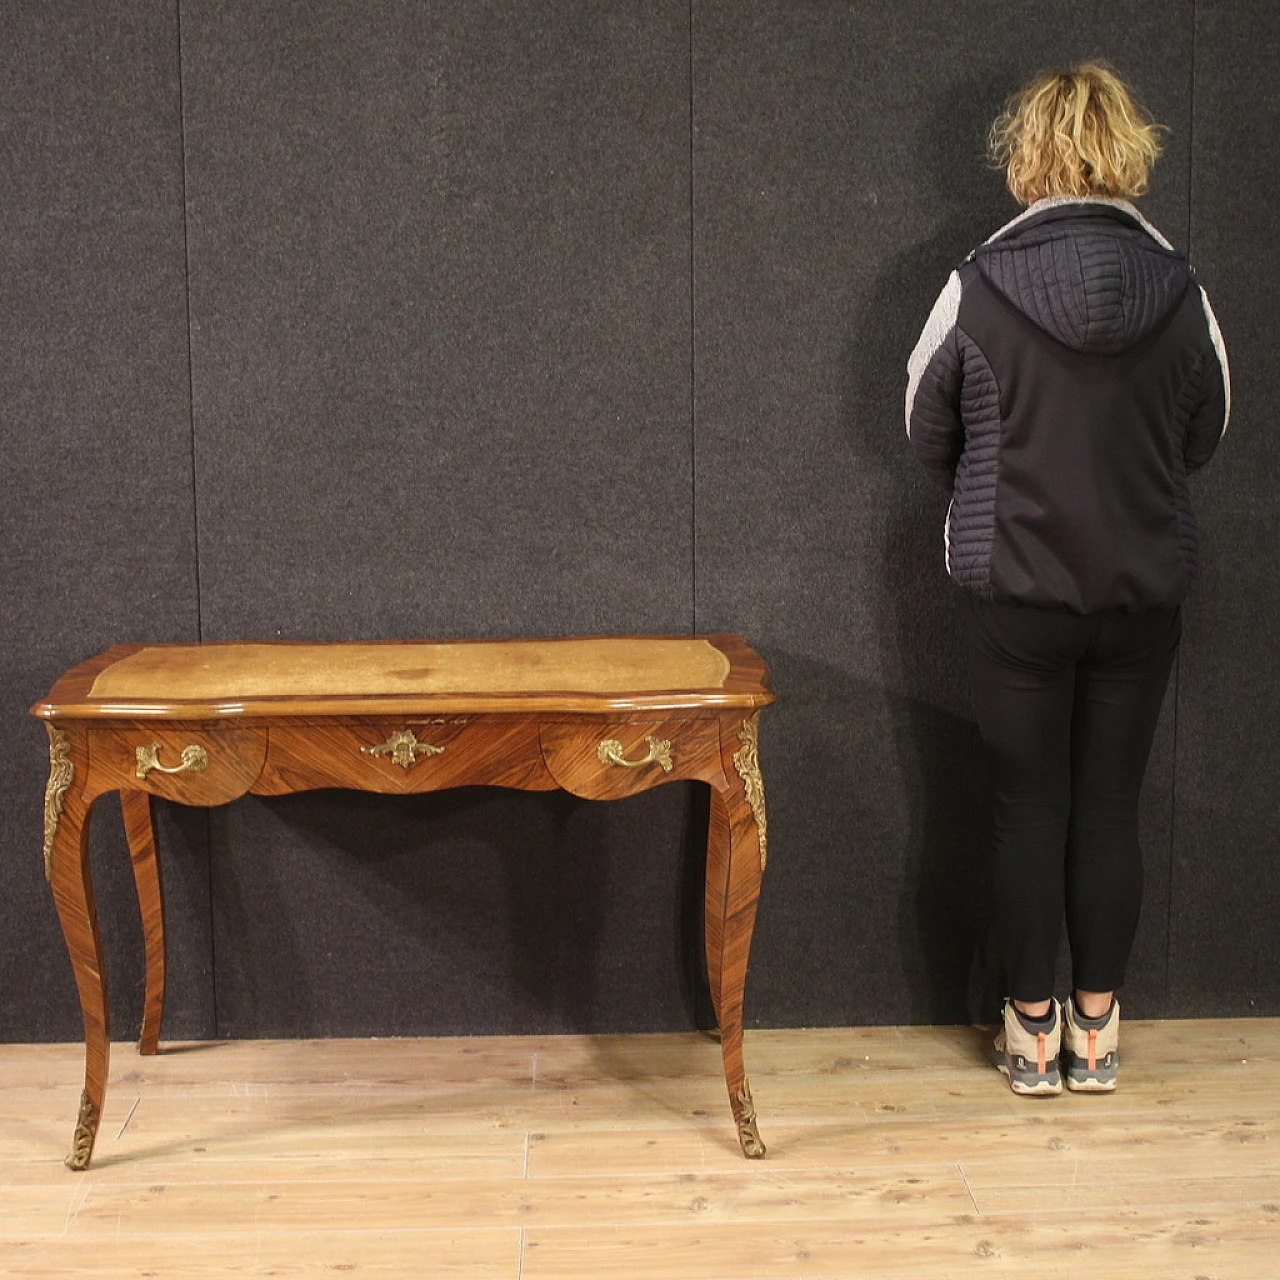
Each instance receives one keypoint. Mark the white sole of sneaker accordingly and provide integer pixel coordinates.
(1091, 1085)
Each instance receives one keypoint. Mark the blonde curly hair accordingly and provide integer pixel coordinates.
(1075, 133)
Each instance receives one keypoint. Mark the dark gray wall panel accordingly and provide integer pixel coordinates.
(96, 520)
(1226, 904)
(441, 371)
(466, 912)
(440, 267)
(838, 178)
(439, 283)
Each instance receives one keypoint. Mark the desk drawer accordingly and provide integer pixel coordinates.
(604, 761)
(405, 756)
(192, 765)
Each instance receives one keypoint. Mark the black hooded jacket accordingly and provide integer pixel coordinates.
(1070, 376)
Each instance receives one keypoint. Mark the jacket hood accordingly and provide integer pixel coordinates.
(1092, 274)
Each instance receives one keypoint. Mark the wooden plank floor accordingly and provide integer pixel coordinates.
(892, 1152)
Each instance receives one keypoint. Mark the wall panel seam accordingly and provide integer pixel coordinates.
(1176, 692)
(1191, 139)
(693, 355)
(186, 278)
(212, 1006)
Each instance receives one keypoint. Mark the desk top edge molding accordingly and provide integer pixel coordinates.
(745, 686)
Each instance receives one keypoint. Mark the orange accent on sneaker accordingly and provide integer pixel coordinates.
(1041, 1039)
(1093, 1050)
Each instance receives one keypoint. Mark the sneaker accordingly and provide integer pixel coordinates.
(1090, 1053)
(1028, 1058)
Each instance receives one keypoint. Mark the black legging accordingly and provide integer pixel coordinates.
(1067, 706)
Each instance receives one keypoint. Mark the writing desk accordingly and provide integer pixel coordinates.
(200, 724)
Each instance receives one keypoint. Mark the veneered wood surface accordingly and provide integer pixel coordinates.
(501, 751)
(735, 865)
(571, 752)
(140, 832)
(235, 757)
(71, 880)
(241, 681)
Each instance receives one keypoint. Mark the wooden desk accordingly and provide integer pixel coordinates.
(601, 717)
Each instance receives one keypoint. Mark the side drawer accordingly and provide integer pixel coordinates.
(190, 764)
(405, 756)
(605, 760)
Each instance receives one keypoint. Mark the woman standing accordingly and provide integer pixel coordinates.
(1069, 377)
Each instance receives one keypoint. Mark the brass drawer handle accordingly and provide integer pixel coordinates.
(403, 747)
(195, 759)
(610, 752)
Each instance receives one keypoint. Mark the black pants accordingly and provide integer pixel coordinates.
(1067, 707)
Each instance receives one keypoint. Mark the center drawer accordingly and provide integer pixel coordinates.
(405, 756)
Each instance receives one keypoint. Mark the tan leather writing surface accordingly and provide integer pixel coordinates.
(597, 665)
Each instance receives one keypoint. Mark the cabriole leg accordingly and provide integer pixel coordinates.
(67, 865)
(735, 861)
(139, 827)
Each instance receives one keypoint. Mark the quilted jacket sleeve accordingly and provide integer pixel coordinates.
(1208, 422)
(934, 378)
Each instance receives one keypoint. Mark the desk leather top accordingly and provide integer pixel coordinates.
(592, 674)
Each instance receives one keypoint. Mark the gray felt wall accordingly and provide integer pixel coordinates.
(356, 320)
